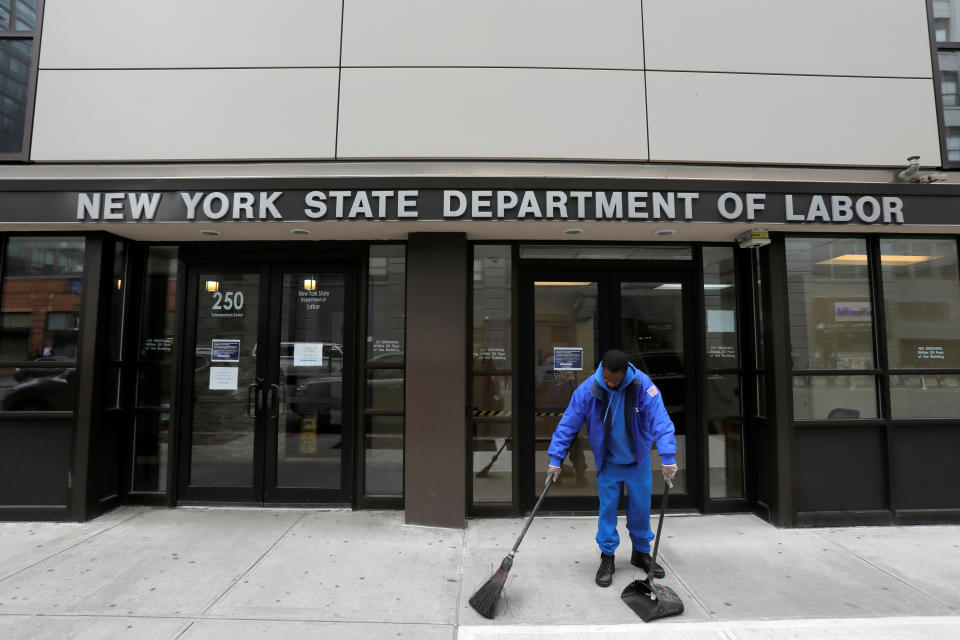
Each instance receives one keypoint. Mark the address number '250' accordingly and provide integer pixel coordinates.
(227, 300)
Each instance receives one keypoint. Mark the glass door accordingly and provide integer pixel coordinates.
(266, 392)
(570, 319)
(310, 442)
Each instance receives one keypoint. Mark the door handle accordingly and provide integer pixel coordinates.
(273, 397)
(259, 399)
(250, 394)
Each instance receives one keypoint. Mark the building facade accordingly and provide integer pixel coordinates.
(360, 252)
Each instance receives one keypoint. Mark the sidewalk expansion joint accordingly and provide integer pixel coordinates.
(74, 545)
(255, 563)
(890, 574)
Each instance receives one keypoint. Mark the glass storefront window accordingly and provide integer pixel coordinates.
(921, 293)
(40, 323)
(720, 300)
(385, 389)
(157, 329)
(834, 397)
(151, 438)
(925, 396)
(726, 458)
(51, 387)
(492, 396)
(492, 448)
(492, 317)
(383, 470)
(386, 291)
(831, 315)
(155, 381)
(117, 292)
(42, 290)
(723, 394)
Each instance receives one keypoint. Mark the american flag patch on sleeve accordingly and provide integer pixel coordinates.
(653, 391)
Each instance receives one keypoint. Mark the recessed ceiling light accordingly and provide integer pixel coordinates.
(209, 232)
(572, 232)
(663, 232)
(300, 232)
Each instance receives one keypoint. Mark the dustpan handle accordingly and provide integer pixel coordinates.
(536, 508)
(656, 544)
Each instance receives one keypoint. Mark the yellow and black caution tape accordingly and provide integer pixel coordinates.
(491, 413)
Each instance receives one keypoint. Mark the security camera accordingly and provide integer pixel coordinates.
(912, 173)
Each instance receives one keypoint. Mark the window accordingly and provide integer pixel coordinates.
(492, 387)
(19, 31)
(155, 366)
(831, 328)
(921, 294)
(946, 30)
(40, 323)
(833, 331)
(724, 408)
(383, 371)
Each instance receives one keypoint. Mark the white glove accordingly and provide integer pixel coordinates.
(669, 470)
(552, 472)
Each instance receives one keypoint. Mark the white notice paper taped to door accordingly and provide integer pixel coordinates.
(308, 354)
(224, 378)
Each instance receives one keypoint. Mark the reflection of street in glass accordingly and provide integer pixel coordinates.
(39, 389)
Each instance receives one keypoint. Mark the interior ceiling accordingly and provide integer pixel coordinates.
(591, 231)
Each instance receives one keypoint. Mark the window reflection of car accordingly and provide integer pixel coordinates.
(318, 396)
(21, 374)
(56, 392)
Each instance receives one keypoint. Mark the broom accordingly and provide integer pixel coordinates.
(483, 472)
(485, 600)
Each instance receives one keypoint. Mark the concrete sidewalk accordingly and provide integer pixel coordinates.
(196, 574)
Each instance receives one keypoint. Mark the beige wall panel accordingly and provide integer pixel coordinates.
(492, 113)
(505, 33)
(716, 117)
(185, 114)
(135, 34)
(827, 37)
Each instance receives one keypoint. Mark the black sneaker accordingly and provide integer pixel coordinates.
(642, 560)
(605, 572)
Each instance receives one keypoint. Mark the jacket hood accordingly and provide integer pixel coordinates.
(629, 376)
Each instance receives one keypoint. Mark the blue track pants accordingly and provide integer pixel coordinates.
(638, 480)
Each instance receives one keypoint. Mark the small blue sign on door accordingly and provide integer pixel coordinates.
(225, 351)
(567, 359)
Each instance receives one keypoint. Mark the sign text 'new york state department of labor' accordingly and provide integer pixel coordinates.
(490, 204)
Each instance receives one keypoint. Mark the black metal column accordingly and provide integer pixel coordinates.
(779, 382)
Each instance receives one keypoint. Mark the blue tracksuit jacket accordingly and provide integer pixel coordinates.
(646, 419)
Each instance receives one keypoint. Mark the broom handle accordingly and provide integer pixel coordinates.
(536, 507)
(656, 544)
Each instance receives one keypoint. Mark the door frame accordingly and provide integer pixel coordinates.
(608, 277)
(264, 490)
(272, 494)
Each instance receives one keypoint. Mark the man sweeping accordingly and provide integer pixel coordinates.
(625, 415)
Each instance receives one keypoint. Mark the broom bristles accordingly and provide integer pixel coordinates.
(485, 600)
